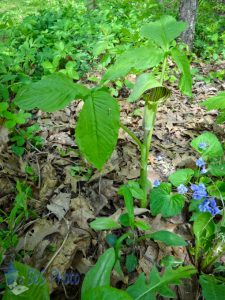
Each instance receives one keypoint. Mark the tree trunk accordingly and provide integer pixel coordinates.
(188, 13)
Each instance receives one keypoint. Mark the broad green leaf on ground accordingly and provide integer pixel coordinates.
(129, 201)
(136, 58)
(97, 127)
(144, 82)
(217, 170)
(212, 288)
(185, 83)
(51, 93)
(221, 118)
(163, 31)
(203, 226)
(30, 278)
(99, 274)
(181, 177)
(216, 102)
(104, 224)
(217, 189)
(167, 237)
(165, 203)
(213, 145)
(141, 290)
(106, 293)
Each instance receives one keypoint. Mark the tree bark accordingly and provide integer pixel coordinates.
(188, 13)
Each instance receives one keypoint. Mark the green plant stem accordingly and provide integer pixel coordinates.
(132, 135)
(163, 70)
(149, 120)
(119, 242)
(197, 249)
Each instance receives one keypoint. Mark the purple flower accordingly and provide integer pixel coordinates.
(209, 205)
(200, 162)
(199, 191)
(156, 183)
(203, 170)
(203, 146)
(182, 189)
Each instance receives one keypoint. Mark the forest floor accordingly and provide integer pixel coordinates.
(70, 193)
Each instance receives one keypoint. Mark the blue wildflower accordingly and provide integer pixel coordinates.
(199, 191)
(203, 170)
(159, 157)
(200, 162)
(156, 183)
(203, 146)
(182, 189)
(209, 205)
(11, 274)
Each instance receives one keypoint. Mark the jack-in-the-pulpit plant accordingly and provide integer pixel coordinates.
(99, 120)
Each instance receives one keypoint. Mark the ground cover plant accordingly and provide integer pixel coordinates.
(84, 87)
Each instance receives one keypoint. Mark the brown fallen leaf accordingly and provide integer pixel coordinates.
(82, 211)
(49, 181)
(60, 205)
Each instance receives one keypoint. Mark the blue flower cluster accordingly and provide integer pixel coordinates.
(203, 145)
(182, 189)
(201, 163)
(199, 191)
(156, 183)
(210, 206)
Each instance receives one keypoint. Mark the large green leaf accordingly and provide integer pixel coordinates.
(217, 189)
(104, 224)
(167, 237)
(221, 117)
(136, 58)
(216, 102)
(181, 177)
(163, 31)
(144, 82)
(165, 203)
(98, 126)
(212, 288)
(106, 293)
(217, 170)
(99, 275)
(31, 279)
(185, 83)
(203, 226)
(159, 284)
(213, 145)
(51, 93)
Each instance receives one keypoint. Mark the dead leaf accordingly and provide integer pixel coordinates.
(49, 181)
(41, 229)
(81, 211)
(59, 205)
